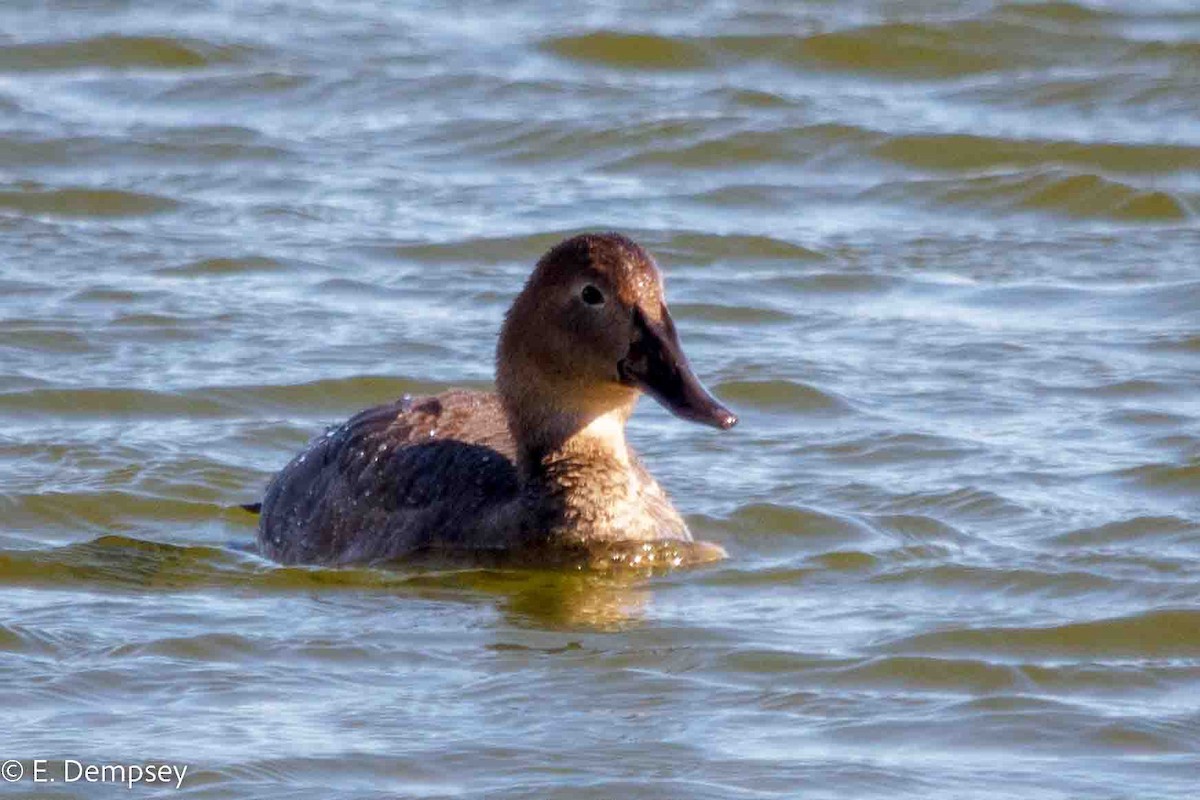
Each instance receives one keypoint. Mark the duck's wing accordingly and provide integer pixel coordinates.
(416, 474)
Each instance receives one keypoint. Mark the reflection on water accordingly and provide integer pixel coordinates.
(567, 600)
(601, 591)
(940, 257)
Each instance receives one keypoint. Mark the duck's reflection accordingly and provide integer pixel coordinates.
(579, 600)
(602, 588)
(599, 587)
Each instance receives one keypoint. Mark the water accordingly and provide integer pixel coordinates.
(940, 256)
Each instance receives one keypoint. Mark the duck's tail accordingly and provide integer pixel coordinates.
(253, 508)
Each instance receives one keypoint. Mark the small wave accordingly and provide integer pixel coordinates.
(117, 561)
(929, 674)
(75, 202)
(680, 247)
(1174, 478)
(846, 561)
(108, 403)
(1094, 196)
(1144, 530)
(899, 448)
(889, 50)
(1055, 11)
(1187, 343)
(1125, 389)
(1146, 418)
(1130, 93)
(905, 49)
(122, 561)
(753, 98)
(1059, 724)
(745, 196)
(1171, 633)
(331, 394)
(110, 560)
(106, 295)
(522, 249)
(199, 648)
(1029, 297)
(763, 661)
(607, 144)
(14, 287)
(760, 576)
(118, 52)
(46, 340)
(695, 246)
(104, 510)
(783, 394)
(1083, 196)
(758, 523)
(37, 639)
(918, 528)
(1059, 583)
(837, 283)
(206, 144)
(789, 145)
(630, 50)
(258, 86)
(1147, 736)
(931, 50)
(963, 151)
(223, 266)
(744, 315)
(893, 49)
(1184, 55)
(232, 647)
(1167, 300)
(10, 639)
(597, 593)
(968, 502)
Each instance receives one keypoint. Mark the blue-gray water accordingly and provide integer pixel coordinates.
(941, 256)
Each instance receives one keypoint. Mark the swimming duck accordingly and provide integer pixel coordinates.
(541, 463)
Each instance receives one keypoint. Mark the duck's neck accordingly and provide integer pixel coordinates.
(585, 482)
(579, 445)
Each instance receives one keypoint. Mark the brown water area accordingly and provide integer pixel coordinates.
(943, 259)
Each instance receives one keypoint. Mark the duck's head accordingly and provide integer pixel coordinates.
(589, 332)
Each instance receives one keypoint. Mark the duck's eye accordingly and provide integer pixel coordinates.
(591, 295)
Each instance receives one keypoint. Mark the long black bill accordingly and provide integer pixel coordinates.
(656, 364)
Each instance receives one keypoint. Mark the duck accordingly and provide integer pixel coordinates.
(539, 465)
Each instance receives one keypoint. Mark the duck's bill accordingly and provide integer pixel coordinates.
(656, 365)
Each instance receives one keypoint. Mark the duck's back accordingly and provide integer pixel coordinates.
(397, 479)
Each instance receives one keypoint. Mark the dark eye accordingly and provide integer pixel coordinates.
(591, 295)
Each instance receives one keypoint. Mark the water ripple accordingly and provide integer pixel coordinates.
(1168, 633)
(82, 202)
(118, 52)
(939, 257)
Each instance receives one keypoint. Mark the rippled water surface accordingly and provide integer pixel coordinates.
(942, 257)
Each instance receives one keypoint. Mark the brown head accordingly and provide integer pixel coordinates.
(589, 332)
